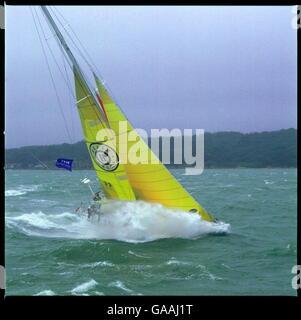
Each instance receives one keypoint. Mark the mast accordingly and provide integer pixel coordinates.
(72, 59)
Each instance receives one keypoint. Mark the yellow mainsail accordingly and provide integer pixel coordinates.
(150, 180)
(104, 151)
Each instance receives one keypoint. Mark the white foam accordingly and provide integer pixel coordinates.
(174, 261)
(268, 182)
(97, 264)
(45, 293)
(138, 255)
(226, 266)
(208, 274)
(43, 201)
(84, 287)
(39, 220)
(120, 284)
(132, 221)
(20, 190)
(13, 193)
(34, 219)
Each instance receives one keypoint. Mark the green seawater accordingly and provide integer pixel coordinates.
(143, 249)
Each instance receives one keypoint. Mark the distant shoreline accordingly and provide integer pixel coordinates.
(223, 150)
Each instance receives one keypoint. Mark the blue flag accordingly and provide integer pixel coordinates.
(64, 163)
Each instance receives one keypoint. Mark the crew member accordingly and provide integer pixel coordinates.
(90, 211)
(97, 196)
(96, 206)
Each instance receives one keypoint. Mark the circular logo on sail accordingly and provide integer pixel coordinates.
(104, 156)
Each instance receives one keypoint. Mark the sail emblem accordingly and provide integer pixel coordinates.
(105, 156)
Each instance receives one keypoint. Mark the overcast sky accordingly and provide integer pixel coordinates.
(215, 68)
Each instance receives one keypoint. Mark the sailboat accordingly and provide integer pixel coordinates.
(149, 181)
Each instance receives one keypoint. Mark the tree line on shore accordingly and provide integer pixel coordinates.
(269, 149)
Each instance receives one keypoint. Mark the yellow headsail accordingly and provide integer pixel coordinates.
(102, 147)
(150, 180)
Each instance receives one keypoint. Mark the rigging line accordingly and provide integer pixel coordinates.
(86, 52)
(76, 48)
(67, 76)
(80, 43)
(85, 77)
(81, 84)
(44, 164)
(49, 48)
(69, 84)
(71, 66)
(52, 80)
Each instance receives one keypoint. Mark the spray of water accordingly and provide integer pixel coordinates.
(135, 221)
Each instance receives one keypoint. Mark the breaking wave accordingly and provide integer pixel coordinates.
(125, 221)
(82, 288)
(45, 293)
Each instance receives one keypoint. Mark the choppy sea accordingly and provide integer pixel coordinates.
(144, 249)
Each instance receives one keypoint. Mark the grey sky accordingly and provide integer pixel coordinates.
(216, 68)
